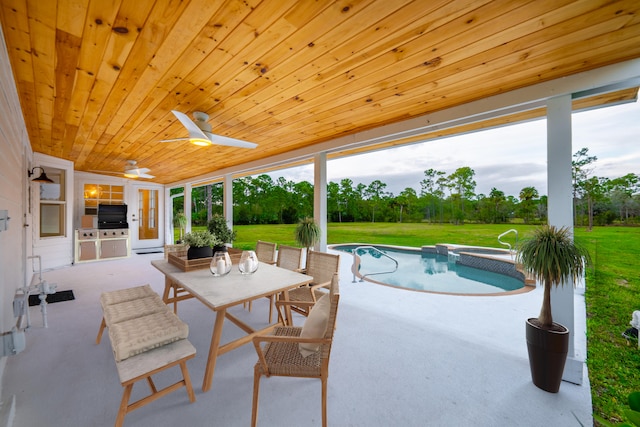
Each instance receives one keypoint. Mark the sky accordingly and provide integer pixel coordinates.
(507, 158)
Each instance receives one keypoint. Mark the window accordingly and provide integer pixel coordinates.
(53, 206)
(152, 209)
(96, 194)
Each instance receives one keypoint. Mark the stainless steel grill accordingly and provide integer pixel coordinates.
(112, 217)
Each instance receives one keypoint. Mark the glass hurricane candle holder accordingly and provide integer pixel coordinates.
(248, 262)
(220, 264)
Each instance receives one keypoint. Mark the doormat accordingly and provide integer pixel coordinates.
(149, 252)
(51, 298)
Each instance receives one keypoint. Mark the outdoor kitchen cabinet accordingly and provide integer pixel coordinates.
(97, 245)
(114, 248)
(86, 250)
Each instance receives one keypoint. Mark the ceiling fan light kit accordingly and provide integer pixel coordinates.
(200, 142)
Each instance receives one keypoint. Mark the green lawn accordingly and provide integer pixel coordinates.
(613, 287)
(387, 233)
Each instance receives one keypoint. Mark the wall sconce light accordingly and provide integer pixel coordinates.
(42, 178)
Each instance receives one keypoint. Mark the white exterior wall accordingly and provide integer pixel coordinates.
(15, 156)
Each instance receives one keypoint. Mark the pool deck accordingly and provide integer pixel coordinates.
(399, 358)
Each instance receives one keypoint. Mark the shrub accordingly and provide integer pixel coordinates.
(201, 238)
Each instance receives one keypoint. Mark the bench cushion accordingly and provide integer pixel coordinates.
(123, 295)
(116, 313)
(141, 334)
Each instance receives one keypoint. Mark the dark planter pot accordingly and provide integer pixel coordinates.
(222, 248)
(202, 252)
(547, 355)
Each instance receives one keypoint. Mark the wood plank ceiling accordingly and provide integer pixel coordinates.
(98, 79)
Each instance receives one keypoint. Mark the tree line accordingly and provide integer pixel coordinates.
(443, 198)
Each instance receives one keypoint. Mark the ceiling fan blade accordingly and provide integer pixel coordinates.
(174, 140)
(131, 171)
(137, 171)
(194, 131)
(230, 142)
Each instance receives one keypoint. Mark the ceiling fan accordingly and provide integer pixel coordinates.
(131, 171)
(200, 132)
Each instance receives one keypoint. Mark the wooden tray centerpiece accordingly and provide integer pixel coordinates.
(179, 259)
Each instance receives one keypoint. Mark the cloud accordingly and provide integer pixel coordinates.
(508, 158)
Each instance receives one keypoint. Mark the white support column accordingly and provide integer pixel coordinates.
(227, 199)
(559, 186)
(168, 217)
(320, 197)
(187, 206)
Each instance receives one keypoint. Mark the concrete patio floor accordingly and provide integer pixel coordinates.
(400, 358)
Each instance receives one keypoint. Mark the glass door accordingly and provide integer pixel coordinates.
(145, 227)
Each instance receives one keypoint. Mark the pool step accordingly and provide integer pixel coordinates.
(528, 279)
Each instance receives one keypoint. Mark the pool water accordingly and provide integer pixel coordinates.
(428, 272)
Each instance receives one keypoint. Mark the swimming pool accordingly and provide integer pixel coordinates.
(429, 269)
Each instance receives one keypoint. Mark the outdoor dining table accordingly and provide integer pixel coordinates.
(220, 293)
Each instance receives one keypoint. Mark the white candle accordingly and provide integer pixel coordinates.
(220, 266)
(248, 264)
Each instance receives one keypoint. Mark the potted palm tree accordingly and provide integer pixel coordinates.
(201, 243)
(180, 221)
(307, 233)
(552, 257)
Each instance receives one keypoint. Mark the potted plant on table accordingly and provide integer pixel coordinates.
(552, 257)
(217, 226)
(201, 243)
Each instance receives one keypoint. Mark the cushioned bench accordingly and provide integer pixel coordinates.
(146, 338)
(115, 310)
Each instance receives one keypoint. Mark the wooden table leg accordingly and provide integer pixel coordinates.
(287, 309)
(168, 285)
(213, 350)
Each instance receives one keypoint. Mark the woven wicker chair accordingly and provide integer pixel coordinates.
(281, 355)
(289, 257)
(322, 267)
(266, 252)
